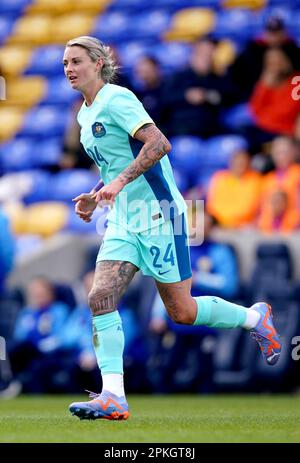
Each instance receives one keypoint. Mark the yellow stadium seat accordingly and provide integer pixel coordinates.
(225, 54)
(32, 30)
(11, 119)
(45, 218)
(67, 6)
(66, 27)
(16, 214)
(91, 6)
(14, 59)
(50, 6)
(25, 91)
(190, 24)
(251, 4)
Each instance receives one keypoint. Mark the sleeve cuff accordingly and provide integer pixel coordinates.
(140, 124)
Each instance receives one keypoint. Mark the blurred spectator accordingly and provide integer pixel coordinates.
(286, 176)
(7, 251)
(248, 66)
(193, 97)
(277, 215)
(149, 92)
(38, 325)
(274, 87)
(234, 194)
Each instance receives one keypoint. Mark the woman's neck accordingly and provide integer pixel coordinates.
(90, 93)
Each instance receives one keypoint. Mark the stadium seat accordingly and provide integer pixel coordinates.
(172, 55)
(26, 92)
(97, 225)
(219, 149)
(6, 25)
(190, 24)
(13, 7)
(237, 116)
(40, 186)
(11, 119)
(45, 219)
(149, 25)
(224, 55)
(186, 155)
(32, 30)
(68, 26)
(14, 59)
(45, 121)
(15, 155)
(112, 27)
(131, 52)
(235, 24)
(251, 4)
(46, 61)
(70, 183)
(59, 91)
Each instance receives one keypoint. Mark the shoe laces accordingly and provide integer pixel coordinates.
(258, 337)
(93, 395)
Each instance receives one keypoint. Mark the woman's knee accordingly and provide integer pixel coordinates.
(102, 300)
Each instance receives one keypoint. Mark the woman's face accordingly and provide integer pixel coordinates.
(277, 62)
(79, 69)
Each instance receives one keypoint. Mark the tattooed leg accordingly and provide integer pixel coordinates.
(112, 277)
(180, 305)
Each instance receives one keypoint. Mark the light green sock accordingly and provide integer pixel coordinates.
(109, 342)
(218, 313)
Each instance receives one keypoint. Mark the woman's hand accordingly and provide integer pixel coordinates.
(108, 193)
(85, 206)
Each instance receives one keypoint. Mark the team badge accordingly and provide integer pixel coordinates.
(98, 130)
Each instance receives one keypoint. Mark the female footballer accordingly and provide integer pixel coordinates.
(146, 225)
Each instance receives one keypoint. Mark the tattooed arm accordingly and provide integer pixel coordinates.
(155, 147)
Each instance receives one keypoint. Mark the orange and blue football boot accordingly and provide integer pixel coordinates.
(106, 406)
(265, 333)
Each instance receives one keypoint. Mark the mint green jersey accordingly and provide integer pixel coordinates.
(107, 130)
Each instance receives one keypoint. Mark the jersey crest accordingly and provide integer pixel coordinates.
(98, 130)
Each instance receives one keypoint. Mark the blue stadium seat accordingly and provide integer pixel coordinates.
(149, 25)
(131, 52)
(186, 153)
(219, 149)
(47, 153)
(236, 24)
(47, 61)
(13, 7)
(97, 224)
(41, 186)
(59, 91)
(70, 183)
(6, 25)
(181, 180)
(172, 55)
(113, 27)
(44, 122)
(15, 155)
(237, 116)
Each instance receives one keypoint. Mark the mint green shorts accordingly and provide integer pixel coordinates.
(161, 252)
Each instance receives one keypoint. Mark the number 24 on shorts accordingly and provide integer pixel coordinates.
(168, 256)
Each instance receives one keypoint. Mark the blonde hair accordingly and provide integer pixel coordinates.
(95, 50)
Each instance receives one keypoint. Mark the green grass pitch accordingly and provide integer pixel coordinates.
(172, 418)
